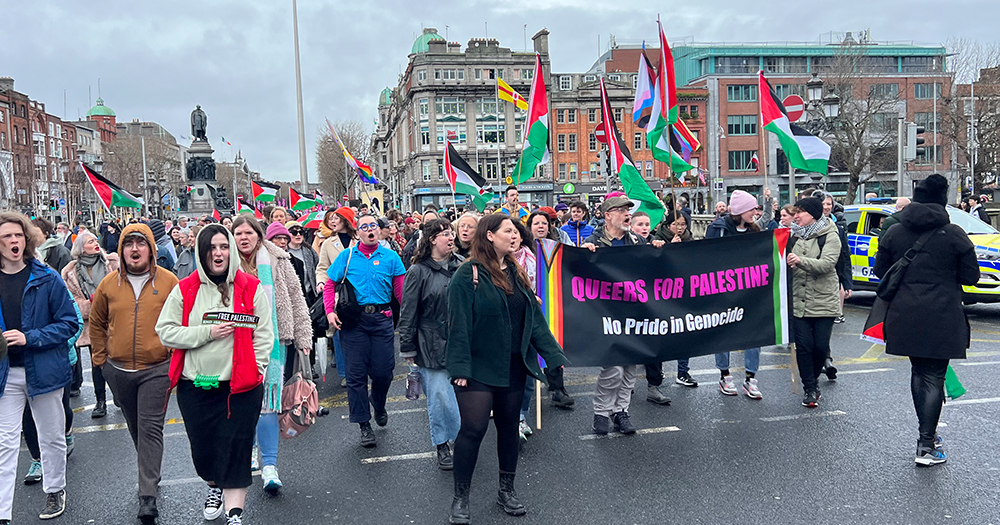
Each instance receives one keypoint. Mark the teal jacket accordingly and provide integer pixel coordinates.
(479, 331)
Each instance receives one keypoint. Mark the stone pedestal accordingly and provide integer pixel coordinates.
(201, 173)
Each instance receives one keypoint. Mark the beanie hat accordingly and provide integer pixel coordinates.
(550, 212)
(275, 229)
(932, 190)
(348, 215)
(741, 202)
(409, 220)
(292, 224)
(158, 229)
(561, 207)
(812, 206)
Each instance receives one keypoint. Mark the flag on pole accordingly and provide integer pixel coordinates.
(298, 202)
(245, 207)
(642, 107)
(536, 137)
(264, 191)
(505, 92)
(216, 215)
(364, 171)
(621, 165)
(110, 193)
(226, 142)
(681, 129)
(189, 189)
(754, 163)
(319, 196)
(701, 176)
(665, 144)
(666, 77)
(803, 150)
(465, 180)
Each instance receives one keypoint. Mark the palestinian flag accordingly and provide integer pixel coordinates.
(110, 193)
(665, 138)
(804, 150)
(318, 195)
(245, 207)
(189, 189)
(536, 140)
(264, 191)
(621, 164)
(465, 180)
(298, 203)
(216, 215)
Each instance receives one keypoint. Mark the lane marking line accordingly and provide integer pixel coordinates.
(119, 426)
(803, 416)
(974, 401)
(980, 363)
(868, 371)
(401, 457)
(404, 411)
(641, 431)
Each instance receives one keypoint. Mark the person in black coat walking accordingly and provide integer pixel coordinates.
(423, 330)
(931, 290)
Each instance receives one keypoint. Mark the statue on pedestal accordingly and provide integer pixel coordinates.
(199, 123)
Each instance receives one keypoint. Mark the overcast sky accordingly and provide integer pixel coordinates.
(156, 59)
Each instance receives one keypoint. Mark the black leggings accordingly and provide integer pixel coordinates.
(474, 404)
(927, 387)
(31, 433)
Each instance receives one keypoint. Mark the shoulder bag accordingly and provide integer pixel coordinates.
(347, 307)
(893, 278)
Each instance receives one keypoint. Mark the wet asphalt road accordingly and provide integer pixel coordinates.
(706, 459)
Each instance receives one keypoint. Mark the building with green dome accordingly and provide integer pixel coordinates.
(103, 119)
(385, 99)
(421, 44)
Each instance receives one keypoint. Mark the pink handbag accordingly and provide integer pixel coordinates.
(299, 400)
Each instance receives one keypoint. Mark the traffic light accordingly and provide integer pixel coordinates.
(913, 140)
(602, 160)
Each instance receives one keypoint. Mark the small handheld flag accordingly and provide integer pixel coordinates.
(110, 193)
(264, 191)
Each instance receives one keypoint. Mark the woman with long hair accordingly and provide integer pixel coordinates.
(676, 227)
(423, 330)
(218, 368)
(342, 227)
(496, 333)
(786, 216)
(290, 320)
(82, 275)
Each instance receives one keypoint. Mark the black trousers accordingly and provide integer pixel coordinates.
(927, 387)
(654, 373)
(812, 346)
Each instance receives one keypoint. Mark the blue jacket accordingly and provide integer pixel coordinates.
(48, 321)
(578, 231)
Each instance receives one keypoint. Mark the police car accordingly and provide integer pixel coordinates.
(864, 224)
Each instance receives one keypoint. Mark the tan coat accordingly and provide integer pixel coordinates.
(73, 284)
(815, 286)
(327, 253)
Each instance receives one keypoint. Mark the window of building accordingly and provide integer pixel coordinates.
(425, 136)
(921, 64)
(783, 90)
(741, 92)
(440, 166)
(565, 83)
(425, 169)
(933, 158)
(17, 135)
(785, 64)
(618, 114)
(478, 74)
(736, 64)
(449, 74)
(560, 116)
(870, 64)
(455, 133)
(741, 124)
(592, 142)
(51, 129)
(571, 141)
(491, 133)
(424, 109)
(486, 106)
(616, 77)
(561, 142)
(927, 91)
(885, 91)
(740, 160)
(572, 171)
(562, 170)
(649, 169)
(1, 117)
(693, 112)
(571, 116)
(3, 139)
(422, 74)
(926, 119)
(637, 141)
(527, 74)
(450, 105)
(590, 78)
(884, 122)
(823, 64)
(592, 115)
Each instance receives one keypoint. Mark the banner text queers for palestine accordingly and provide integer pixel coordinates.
(699, 285)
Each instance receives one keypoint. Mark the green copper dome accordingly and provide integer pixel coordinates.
(100, 110)
(385, 99)
(420, 44)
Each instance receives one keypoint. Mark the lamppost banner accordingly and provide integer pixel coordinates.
(640, 304)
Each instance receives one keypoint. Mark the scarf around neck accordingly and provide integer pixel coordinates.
(274, 375)
(91, 270)
(806, 232)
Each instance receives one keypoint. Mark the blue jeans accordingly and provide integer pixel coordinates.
(751, 358)
(369, 352)
(683, 366)
(267, 438)
(442, 407)
(529, 395)
(338, 355)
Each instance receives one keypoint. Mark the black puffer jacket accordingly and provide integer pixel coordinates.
(423, 319)
(926, 318)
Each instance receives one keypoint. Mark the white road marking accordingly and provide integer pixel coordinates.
(401, 457)
(803, 416)
(657, 430)
(973, 401)
(977, 363)
(868, 371)
(187, 481)
(404, 411)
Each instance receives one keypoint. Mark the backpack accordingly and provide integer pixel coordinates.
(821, 241)
(299, 400)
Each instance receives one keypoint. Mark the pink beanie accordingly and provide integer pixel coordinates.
(275, 229)
(741, 202)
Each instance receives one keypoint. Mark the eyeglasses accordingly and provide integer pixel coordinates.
(296, 231)
(368, 227)
(445, 233)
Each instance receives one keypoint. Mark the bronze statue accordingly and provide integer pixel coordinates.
(199, 121)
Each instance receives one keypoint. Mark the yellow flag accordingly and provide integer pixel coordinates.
(505, 92)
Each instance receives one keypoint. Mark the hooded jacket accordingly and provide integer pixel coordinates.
(423, 318)
(53, 253)
(577, 231)
(815, 286)
(186, 263)
(204, 355)
(122, 328)
(722, 227)
(926, 317)
(48, 322)
(69, 275)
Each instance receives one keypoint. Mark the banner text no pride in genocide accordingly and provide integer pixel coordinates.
(639, 304)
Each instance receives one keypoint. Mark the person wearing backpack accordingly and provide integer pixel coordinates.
(218, 369)
(932, 284)
(815, 290)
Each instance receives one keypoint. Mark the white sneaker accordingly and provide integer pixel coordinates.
(727, 386)
(524, 428)
(750, 389)
(213, 504)
(255, 459)
(270, 478)
(234, 520)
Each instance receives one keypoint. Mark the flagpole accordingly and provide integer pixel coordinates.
(447, 145)
(496, 96)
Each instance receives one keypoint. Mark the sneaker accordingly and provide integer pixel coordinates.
(255, 459)
(727, 386)
(34, 473)
(270, 478)
(655, 395)
(622, 423)
(446, 461)
(367, 435)
(812, 399)
(55, 505)
(381, 417)
(70, 444)
(562, 399)
(147, 509)
(525, 428)
(928, 457)
(602, 424)
(829, 370)
(839, 320)
(343, 382)
(685, 379)
(938, 444)
(213, 504)
(751, 390)
(234, 520)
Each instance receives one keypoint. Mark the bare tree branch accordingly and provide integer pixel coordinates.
(331, 166)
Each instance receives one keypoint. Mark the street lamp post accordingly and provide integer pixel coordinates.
(822, 112)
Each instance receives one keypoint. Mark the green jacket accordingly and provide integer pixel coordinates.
(815, 286)
(479, 331)
(887, 222)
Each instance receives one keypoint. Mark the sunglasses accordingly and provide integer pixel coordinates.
(296, 231)
(370, 227)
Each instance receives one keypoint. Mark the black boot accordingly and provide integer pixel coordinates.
(460, 505)
(147, 509)
(100, 409)
(445, 460)
(560, 397)
(507, 498)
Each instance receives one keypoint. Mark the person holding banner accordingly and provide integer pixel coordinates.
(615, 383)
(739, 219)
(496, 333)
(675, 227)
(813, 250)
(654, 371)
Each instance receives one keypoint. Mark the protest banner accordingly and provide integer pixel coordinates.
(639, 304)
